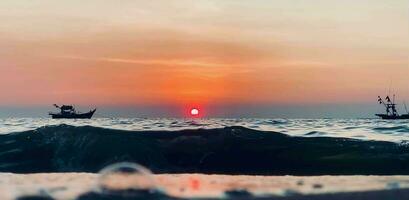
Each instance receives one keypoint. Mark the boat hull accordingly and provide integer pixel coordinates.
(391, 117)
(87, 115)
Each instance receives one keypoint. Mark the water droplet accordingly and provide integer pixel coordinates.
(126, 179)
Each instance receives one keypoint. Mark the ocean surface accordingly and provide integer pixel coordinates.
(214, 146)
(362, 129)
(300, 147)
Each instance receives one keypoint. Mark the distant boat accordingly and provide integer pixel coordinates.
(69, 112)
(391, 111)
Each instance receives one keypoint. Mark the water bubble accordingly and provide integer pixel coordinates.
(126, 179)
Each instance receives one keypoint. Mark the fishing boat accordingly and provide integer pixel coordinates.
(69, 112)
(391, 111)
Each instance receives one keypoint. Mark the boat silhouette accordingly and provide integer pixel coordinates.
(391, 111)
(69, 112)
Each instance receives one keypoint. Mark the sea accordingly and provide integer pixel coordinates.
(167, 146)
(361, 129)
(221, 146)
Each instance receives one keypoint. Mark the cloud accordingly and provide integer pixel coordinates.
(157, 62)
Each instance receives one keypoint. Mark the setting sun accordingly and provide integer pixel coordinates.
(194, 112)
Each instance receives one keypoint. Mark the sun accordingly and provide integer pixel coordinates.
(194, 112)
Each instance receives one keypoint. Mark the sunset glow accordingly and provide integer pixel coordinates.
(143, 53)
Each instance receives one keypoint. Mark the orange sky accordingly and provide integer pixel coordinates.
(202, 52)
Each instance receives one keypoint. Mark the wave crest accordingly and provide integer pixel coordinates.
(228, 150)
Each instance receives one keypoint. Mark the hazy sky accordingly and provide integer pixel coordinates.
(238, 56)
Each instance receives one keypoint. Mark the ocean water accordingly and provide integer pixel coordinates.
(215, 146)
(362, 129)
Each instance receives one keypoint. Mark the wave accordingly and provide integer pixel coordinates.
(228, 150)
(394, 128)
(313, 133)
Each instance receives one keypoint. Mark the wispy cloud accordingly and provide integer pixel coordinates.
(161, 62)
(305, 63)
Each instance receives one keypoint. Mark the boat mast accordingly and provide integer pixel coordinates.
(394, 111)
(392, 105)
